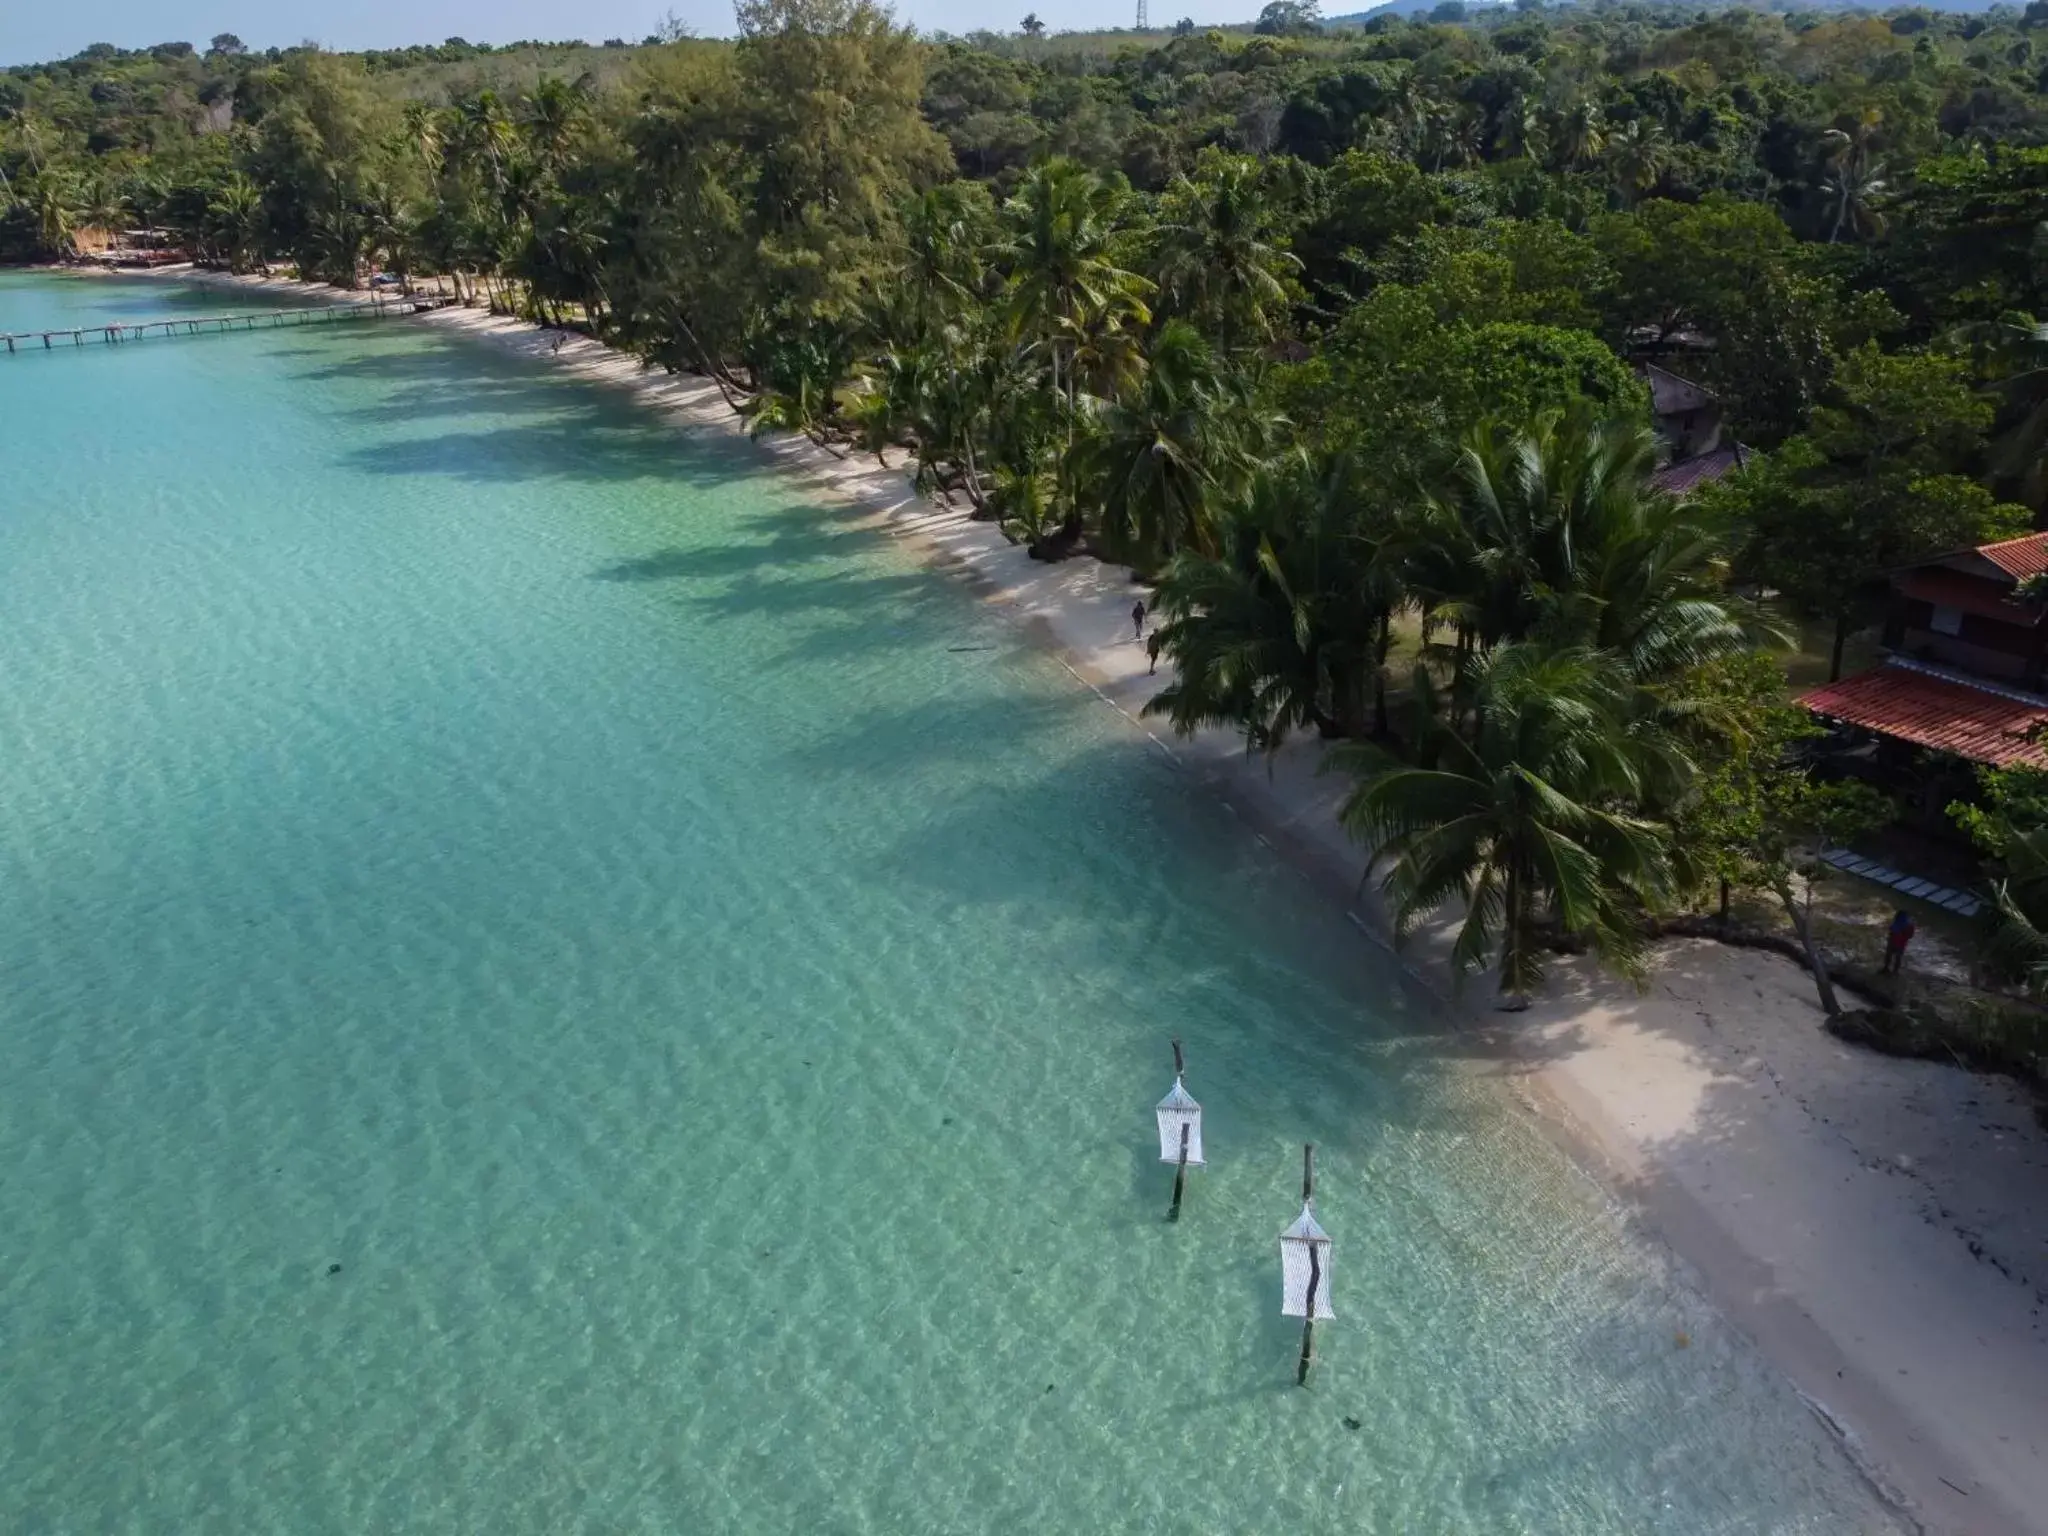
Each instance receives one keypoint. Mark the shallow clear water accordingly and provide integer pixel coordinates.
(454, 829)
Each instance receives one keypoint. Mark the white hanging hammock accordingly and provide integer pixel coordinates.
(1179, 1109)
(1296, 1243)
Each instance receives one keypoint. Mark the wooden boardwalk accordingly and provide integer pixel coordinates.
(374, 308)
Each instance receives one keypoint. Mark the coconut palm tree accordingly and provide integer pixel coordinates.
(1071, 301)
(52, 199)
(1520, 818)
(28, 129)
(390, 229)
(1449, 135)
(2014, 350)
(1286, 626)
(340, 238)
(1523, 132)
(2016, 943)
(1158, 459)
(424, 135)
(1405, 122)
(799, 376)
(1854, 185)
(1581, 134)
(101, 207)
(484, 140)
(1855, 179)
(1217, 263)
(146, 192)
(550, 117)
(1638, 153)
(906, 399)
(944, 266)
(234, 218)
(563, 259)
(1552, 529)
(1067, 279)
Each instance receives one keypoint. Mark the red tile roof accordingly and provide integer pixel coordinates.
(2018, 558)
(1938, 712)
(1683, 476)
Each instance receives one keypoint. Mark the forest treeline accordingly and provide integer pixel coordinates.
(1330, 335)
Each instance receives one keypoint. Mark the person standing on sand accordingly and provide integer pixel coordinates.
(1896, 938)
(1138, 619)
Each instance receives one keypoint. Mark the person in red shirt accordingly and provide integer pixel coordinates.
(1896, 939)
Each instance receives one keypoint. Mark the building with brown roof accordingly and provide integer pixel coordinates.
(1967, 658)
(1688, 418)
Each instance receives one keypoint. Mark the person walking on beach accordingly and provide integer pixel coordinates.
(1138, 619)
(1896, 938)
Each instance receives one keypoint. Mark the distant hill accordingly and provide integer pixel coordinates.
(1409, 8)
(1405, 8)
(1471, 7)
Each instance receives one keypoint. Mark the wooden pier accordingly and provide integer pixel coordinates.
(374, 308)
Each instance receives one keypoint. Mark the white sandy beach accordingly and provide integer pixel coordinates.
(1880, 1227)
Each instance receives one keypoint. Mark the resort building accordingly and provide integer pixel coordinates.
(1967, 648)
(1688, 418)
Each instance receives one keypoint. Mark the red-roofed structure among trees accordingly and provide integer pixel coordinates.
(1968, 650)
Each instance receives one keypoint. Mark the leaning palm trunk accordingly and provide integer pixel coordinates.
(1822, 982)
(1347, 700)
(975, 492)
(1382, 643)
(1517, 969)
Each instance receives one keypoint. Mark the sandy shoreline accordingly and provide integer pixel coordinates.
(1879, 1227)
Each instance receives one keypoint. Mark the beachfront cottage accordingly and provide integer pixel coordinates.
(1966, 642)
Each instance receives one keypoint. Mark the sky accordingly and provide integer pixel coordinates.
(35, 30)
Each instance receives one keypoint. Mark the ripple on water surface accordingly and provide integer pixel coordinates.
(540, 994)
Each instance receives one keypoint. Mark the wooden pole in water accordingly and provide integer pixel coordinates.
(1315, 1269)
(1180, 1171)
(1180, 1174)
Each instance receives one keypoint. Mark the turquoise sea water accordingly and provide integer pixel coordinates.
(458, 831)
